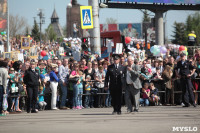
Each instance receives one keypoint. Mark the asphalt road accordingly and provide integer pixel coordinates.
(158, 119)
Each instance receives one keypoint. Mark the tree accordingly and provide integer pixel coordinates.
(64, 30)
(27, 31)
(180, 36)
(111, 21)
(35, 32)
(50, 34)
(193, 24)
(16, 25)
(146, 17)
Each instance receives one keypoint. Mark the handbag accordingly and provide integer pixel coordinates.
(14, 89)
(74, 80)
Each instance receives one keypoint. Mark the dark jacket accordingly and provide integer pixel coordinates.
(31, 78)
(115, 79)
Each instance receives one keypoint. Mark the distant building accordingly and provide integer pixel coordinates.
(55, 24)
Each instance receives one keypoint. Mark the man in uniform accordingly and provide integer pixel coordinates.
(191, 38)
(31, 79)
(115, 78)
(183, 72)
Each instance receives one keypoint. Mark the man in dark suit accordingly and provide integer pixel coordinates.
(31, 79)
(115, 79)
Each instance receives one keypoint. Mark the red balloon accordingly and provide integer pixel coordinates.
(181, 48)
(127, 40)
(43, 53)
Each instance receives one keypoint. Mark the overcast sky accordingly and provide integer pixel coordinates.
(28, 9)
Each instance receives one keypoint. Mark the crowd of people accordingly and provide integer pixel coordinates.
(66, 83)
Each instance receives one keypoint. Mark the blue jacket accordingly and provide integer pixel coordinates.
(53, 76)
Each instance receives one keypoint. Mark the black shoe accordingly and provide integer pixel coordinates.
(119, 113)
(28, 111)
(114, 113)
(186, 106)
(135, 110)
(34, 111)
(194, 105)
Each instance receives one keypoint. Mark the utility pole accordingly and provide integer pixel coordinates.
(8, 37)
(95, 34)
(42, 21)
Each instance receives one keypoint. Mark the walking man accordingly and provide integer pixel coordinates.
(115, 78)
(133, 86)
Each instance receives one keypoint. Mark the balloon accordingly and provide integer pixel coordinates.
(4, 32)
(29, 36)
(127, 40)
(181, 48)
(1, 33)
(187, 53)
(43, 53)
(185, 48)
(45, 58)
(152, 49)
(163, 50)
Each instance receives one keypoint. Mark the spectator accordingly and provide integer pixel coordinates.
(14, 90)
(3, 82)
(53, 85)
(80, 88)
(42, 103)
(88, 86)
(167, 76)
(63, 73)
(74, 76)
(145, 95)
(154, 94)
(99, 78)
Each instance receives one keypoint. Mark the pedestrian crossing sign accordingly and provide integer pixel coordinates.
(86, 17)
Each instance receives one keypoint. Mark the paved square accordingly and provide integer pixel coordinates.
(158, 119)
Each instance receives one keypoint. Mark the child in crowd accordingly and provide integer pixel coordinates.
(153, 94)
(14, 90)
(157, 75)
(88, 86)
(42, 103)
(80, 89)
(145, 95)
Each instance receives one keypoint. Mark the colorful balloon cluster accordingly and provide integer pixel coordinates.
(183, 49)
(3, 33)
(158, 50)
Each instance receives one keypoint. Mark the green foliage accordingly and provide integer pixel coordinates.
(179, 34)
(146, 17)
(182, 30)
(50, 34)
(35, 32)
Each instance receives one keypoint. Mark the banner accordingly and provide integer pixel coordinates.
(3, 15)
(25, 42)
(162, 1)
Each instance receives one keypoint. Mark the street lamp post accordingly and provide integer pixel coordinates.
(42, 21)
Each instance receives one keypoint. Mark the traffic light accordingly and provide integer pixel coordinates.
(84, 43)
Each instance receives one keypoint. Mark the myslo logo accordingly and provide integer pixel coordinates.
(184, 129)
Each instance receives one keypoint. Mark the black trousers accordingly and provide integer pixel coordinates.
(116, 95)
(187, 95)
(32, 97)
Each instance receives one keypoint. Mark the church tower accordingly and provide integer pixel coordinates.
(55, 24)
